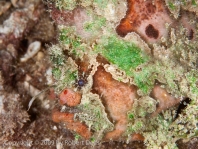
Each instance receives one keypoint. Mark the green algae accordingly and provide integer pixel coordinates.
(126, 55)
(171, 6)
(72, 43)
(130, 116)
(194, 3)
(145, 78)
(130, 58)
(65, 37)
(192, 78)
(64, 69)
(95, 25)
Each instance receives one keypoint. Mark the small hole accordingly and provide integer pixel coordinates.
(182, 106)
(65, 92)
(191, 33)
(151, 32)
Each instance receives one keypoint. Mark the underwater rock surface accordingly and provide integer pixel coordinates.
(140, 65)
(118, 73)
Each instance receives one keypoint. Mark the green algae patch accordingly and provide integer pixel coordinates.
(71, 42)
(127, 56)
(93, 26)
(64, 69)
(131, 59)
(145, 78)
(171, 6)
(194, 3)
(192, 78)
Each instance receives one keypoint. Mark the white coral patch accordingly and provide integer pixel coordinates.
(32, 50)
(110, 12)
(49, 76)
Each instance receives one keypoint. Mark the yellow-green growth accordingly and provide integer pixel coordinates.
(192, 78)
(94, 115)
(66, 4)
(95, 25)
(64, 69)
(72, 43)
(171, 6)
(194, 3)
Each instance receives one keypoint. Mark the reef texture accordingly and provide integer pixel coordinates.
(117, 71)
(134, 70)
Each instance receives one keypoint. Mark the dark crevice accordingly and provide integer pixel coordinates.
(182, 106)
(23, 47)
(190, 34)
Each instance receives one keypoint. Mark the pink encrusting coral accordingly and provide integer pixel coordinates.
(151, 20)
(118, 98)
(68, 119)
(146, 18)
(76, 17)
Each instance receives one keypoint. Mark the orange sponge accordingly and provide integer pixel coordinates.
(68, 119)
(70, 98)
